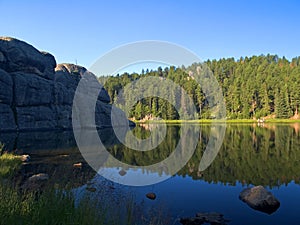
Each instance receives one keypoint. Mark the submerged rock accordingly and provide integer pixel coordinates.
(151, 195)
(260, 199)
(201, 218)
(122, 172)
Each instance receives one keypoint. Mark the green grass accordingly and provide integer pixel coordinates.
(57, 207)
(48, 208)
(9, 165)
(282, 121)
(51, 207)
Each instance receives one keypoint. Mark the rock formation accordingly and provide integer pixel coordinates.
(37, 94)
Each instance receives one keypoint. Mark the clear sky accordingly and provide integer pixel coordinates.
(85, 30)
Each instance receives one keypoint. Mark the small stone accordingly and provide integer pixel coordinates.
(25, 158)
(77, 165)
(151, 195)
(35, 182)
(38, 177)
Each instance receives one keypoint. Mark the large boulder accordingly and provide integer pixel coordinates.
(35, 94)
(260, 199)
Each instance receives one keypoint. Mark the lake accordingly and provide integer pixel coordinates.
(250, 154)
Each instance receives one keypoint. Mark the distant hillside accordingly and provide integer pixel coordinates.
(253, 87)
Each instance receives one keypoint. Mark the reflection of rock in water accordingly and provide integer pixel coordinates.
(296, 127)
(149, 126)
(53, 141)
(55, 154)
(32, 142)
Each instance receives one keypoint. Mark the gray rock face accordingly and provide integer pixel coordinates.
(69, 76)
(260, 199)
(7, 119)
(36, 118)
(6, 85)
(35, 94)
(32, 90)
(17, 55)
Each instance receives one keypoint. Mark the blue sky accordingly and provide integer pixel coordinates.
(85, 30)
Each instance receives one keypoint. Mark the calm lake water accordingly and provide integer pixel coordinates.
(250, 155)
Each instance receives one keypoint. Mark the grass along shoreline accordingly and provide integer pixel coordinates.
(208, 121)
(53, 206)
(49, 206)
(9, 164)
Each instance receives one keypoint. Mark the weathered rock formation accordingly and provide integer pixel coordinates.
(37, 94)
(260, 199)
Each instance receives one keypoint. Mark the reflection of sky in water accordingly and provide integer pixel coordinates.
(132, 175)
(255, 155)
(184, 197)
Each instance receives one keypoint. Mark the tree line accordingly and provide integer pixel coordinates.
(253, 87)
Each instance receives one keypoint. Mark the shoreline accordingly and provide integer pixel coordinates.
(208, 121)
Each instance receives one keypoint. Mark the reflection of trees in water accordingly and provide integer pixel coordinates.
(254, 155)
(145, 158)
(296, 127)
(249, 154)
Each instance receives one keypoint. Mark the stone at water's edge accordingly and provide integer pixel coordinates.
(25, 158)
(77, 165)
(38, 177)
(260, 199)
(35, 182)
(37, 94)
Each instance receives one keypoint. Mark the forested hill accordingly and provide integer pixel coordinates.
(253, 87)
